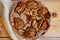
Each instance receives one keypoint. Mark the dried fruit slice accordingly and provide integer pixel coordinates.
(18, 23)
(44, 13)
(30, 32)
(20, 7)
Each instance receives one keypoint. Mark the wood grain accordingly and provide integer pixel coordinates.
(5, 39)
(5, 36)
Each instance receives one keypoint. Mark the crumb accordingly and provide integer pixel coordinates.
(54, 14)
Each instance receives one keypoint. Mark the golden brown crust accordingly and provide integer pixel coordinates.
(18, 24)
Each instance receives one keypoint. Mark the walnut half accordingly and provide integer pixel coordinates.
(18, 23)
(44, 13)
(32, 4)
(30, 32)
(20, 7)
(43, 25)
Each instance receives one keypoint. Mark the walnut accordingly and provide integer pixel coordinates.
(54, 14)
(30, 16)
(44, 13)
(32, 4)
(33, 22)
(20, 7)
(39, 23)
(29, 12)
(18, 23)
(31, 0)
(30, 32)
(43, 25)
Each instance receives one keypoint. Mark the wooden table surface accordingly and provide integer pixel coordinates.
(4, 34)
